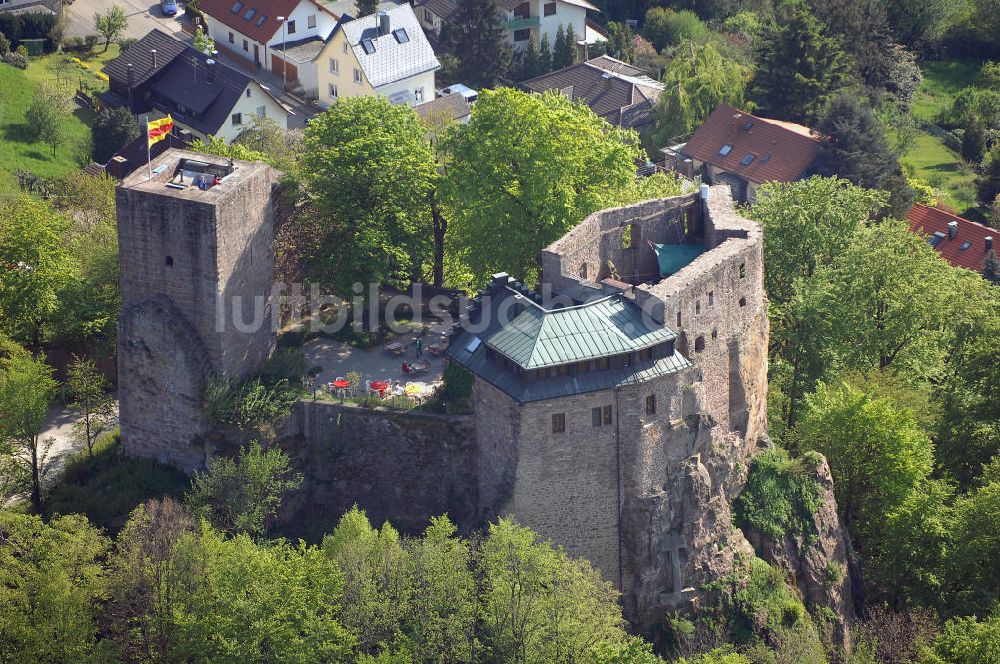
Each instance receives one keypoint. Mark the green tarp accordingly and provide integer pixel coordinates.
(672, 257)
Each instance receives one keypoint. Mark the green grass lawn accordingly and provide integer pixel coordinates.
(943, 79)
(930, 160)
(17, 150)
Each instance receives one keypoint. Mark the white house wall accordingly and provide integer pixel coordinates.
(566, 14)
(248, 107)
(324, 24)
(423, 81)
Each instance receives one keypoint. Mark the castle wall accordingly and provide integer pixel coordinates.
(403, 467)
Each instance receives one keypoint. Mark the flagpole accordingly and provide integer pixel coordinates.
(149, 159)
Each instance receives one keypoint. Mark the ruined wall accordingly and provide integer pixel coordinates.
(162, 367)
(398, 466)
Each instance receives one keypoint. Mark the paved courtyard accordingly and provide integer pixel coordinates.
(143, 16)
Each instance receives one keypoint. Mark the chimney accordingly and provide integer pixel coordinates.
(152, 52)
(384, 24)
(952, 230)
(988, 242)
(129, 82)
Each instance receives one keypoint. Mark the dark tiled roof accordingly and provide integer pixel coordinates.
(141, 59)
(452, 106)
(607, 86)
(444, 9)
(254, 28)
(967, 250)
(782, 151)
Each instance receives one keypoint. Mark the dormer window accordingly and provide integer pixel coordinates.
(748, 159)
(400, 35)
(725, 149)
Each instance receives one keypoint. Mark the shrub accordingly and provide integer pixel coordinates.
(90, 41)
(4, 45)
(247, 405)
(285, 363)
(16, 60)
(780, 496)
(457, 382)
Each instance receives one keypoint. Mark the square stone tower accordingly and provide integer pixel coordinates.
(197, 269)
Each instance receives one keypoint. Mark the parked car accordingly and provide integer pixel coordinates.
(168, 7)
(470, 95)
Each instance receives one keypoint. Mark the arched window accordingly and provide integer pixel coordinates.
(699, 344)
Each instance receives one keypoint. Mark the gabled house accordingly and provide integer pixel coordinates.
(618, 92)
(386, 53)
(961, 242)
(523, 19)
(744, 151)
(251, 29)
(159, 75)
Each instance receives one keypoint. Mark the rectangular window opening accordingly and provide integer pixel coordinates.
(725, 149)
(559, 423)
(651, 404)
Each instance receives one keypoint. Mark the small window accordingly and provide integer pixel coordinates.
(743, 302)
(428, 16)
(607, 415)
(261, 19)
(715, 334)
(711, 298)
(346, 45)
(678, 319)
(237, 119)
(400, 35)
(595, 417)
(697, 306)
(583, 270)
(334, 66)
(169, 261)
(549, 9)
(418, 94)
(743, 270)
(748, 159)
(368, 46)
(250, 14)
(262, 111)
(232, 38)
(237, 6)
(699, 344)
(559, 423)
(291, 27)
(725, 149)
(248, 92)
(357, 75)
(766, 158)
(333, 91)
(522, 35)
(651, 404)
(311, 21)
(246, 46)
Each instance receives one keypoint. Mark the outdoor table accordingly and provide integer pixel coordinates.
(341, 386)
(395, 348)
(379, 386)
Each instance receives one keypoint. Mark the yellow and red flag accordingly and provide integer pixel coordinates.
(158, 129)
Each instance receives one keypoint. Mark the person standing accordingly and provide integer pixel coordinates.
(420, 347)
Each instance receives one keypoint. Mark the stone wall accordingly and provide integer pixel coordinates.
(397, 466)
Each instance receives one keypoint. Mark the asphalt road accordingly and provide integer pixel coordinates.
(143, 16)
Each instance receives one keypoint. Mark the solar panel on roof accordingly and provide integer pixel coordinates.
(368, 45)
(237, 6)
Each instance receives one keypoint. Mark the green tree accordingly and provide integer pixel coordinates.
(366, 7)
(531, 62)
(512, 186)
(539, 605)
(202, 41)
(856, 148)
(921, 23)
(621, 42)
(877, 453)
(974, 142)
(370, 171)
(798, 68)
(26, 393)
(697, 80)
(968, 640)
(35, 266)
(242, 495)
(47, 114)
(88, 389)
(113, 129)
(976, 545)
(545, 55)
(111, 24)
(667, 27)
(480, 37)
(564, 51)
(988, 184)
(50, 581)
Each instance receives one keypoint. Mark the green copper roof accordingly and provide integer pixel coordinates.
(539, 338)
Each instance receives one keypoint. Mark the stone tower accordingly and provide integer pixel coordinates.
(197, 270)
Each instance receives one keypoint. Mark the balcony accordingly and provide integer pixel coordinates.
(519, 23)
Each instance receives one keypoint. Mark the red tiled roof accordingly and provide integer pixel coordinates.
(222, 11)
(782, 151)
(932, 220)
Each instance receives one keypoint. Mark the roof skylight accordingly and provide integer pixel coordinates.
(368, 45)
(748, 159)
(261, 19)
(237, 6)
(400, 35)
(250, 14)
(725, 149)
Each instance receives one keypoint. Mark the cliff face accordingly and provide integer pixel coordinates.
(819, 565)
